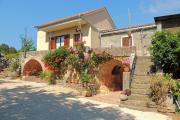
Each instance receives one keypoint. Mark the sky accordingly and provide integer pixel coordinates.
(16, 15)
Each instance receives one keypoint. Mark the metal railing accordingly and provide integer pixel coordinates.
(132, 67)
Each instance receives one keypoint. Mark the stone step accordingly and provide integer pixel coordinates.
(140, 81)
(141, 62)
(140, 91)
(135, 103)
(138, 97)
(141, 77)
(140, 86)
(144, 57)
(141, 70)
(139, 108)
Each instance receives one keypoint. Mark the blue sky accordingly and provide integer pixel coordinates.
(15, 15)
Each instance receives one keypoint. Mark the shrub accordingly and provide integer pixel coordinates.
(14, 66)
(166, 51)
(43, 75)
(177, 90)
(11, 56)
(100, 58)
(85, 78)
(160, 86)
(49, 76)
(55, 60)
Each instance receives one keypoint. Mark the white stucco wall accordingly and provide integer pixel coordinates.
(42, 41)
(95, 39)
(100, 20)
(87, 31)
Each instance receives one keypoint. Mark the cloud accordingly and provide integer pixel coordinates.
(159, 6)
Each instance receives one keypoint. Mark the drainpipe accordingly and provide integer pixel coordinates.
(50, 41)
(100, 38)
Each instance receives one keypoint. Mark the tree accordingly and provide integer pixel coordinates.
(4, 48)
(166, 51)
(27, 44)
(12, 50)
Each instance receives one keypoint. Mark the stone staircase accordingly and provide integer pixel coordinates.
(139, 98)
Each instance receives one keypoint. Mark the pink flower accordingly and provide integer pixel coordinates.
(126, 61)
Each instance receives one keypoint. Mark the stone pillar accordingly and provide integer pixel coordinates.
(126, 80)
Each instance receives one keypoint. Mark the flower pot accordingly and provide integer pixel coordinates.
(123, 97)
(128, 92)
(88, 94)
(126, 69)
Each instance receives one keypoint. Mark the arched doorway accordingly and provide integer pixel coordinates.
(111, 75)
(32, 68)
(117, 77)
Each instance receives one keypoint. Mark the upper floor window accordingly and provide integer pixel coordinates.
(126, 41)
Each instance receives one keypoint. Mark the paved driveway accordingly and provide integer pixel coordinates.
(20, 100)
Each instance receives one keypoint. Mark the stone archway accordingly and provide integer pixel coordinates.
(111, 75)
(32, 67)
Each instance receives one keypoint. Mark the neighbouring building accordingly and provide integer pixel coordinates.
(136, 37)
(84, 26)
(168, 23)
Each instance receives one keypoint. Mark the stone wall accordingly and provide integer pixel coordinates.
(32, 55)
(117, 51)
(141, 39)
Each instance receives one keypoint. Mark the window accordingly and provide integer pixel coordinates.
(77, 37)
(59, 41)
(127, 41)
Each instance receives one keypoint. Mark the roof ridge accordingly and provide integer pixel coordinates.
(134, 26)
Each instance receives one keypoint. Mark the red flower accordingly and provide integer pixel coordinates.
(62, 64)
(62, 55)
(57, 60)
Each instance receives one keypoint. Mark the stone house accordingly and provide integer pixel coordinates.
(168, 23)
(138, 37)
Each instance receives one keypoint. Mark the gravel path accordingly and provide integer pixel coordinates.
(24, 100)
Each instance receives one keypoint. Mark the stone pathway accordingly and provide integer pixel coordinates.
(24, 100)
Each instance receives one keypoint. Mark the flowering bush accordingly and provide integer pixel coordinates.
(55, 60)
(126, 62)
(83, 61)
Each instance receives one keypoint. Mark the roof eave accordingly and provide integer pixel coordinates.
(55, 23)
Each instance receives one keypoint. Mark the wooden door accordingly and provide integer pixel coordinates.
(52, 43)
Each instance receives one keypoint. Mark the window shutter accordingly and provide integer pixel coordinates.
(52, 43)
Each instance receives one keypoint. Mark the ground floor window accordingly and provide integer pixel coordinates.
(59, 41)
(62, 41)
